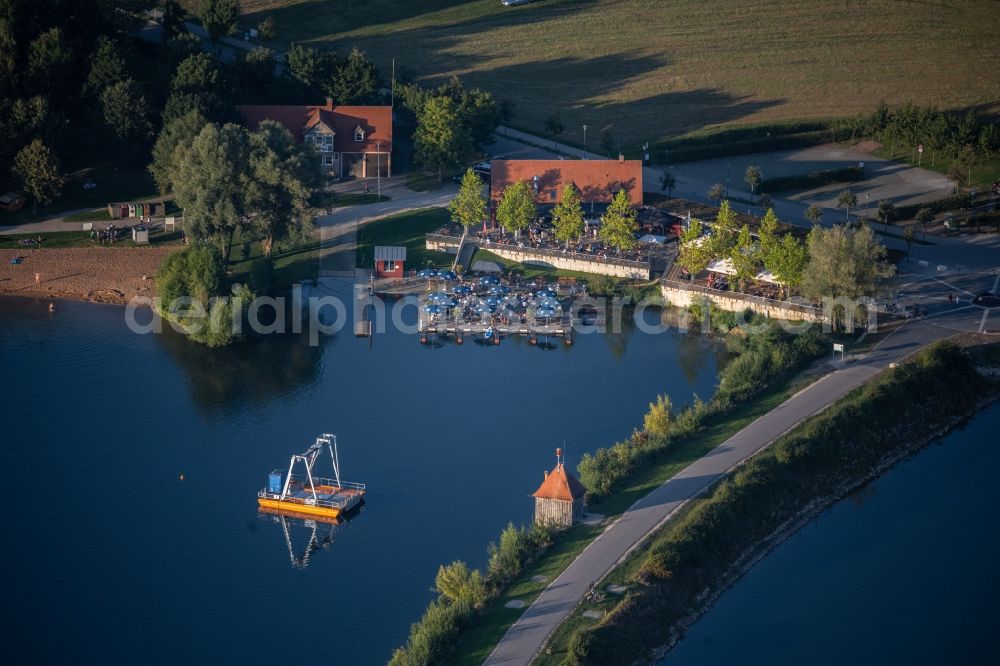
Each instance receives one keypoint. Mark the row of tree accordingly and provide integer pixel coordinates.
(835, 262)
(516, 211)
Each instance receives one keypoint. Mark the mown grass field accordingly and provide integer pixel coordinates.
(657, 69)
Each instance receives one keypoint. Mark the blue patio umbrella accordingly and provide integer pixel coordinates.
(488, 280)
(499, 289)
(546, 302)
(447, 275)
(483, 308)
(545, 311)
(427, 273)
(432, 309)
(462, 289)
(545, 293)
(438, 297)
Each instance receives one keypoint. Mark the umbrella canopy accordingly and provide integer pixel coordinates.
(547, 302)
(438, 297)
(492, 301)
(462, 289)
(483, 308)
(545, 311)
(447, 275)
(488, 280)
(545, 293)
(432, 309)
(427, 273)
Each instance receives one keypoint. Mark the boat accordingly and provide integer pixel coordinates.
(309, 494)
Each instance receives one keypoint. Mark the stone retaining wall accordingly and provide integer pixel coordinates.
(682, 296)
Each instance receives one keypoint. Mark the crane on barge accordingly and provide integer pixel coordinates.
(310, 494)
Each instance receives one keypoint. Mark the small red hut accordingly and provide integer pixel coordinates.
(389, 261)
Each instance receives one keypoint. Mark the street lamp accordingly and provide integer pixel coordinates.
(584, 139)
(378, 168)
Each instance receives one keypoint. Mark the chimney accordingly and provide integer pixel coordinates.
(329, 104)
(621, 157)
(545, 474)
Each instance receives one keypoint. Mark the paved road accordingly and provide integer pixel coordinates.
(527, 636)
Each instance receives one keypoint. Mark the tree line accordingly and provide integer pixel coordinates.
(516, 211)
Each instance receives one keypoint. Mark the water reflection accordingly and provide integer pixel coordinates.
(305, 535)
(257, 370)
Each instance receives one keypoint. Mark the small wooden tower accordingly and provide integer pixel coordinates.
(559, 500)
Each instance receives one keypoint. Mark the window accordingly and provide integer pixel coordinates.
(328, 160)
(359, 135)
(327, 139)
(389, 265)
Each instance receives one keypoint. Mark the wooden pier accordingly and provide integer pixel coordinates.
(493, 333)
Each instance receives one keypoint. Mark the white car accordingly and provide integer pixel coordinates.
(514, 3)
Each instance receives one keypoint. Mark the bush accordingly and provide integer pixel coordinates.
(659, 418)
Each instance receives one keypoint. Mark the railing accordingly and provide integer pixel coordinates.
(560, 254)
(761, 300)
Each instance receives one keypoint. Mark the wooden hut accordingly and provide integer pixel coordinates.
(389, 261)
(559, 500)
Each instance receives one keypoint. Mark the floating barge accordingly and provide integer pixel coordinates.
(311, 495)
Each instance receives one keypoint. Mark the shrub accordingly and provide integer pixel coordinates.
(658, 419)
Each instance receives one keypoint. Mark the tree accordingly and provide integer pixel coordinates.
(694, 252)
(307, 66)
(266, 30)
(440, 141)
(38, 170)
(196, 73)
(814, 213)
(107, 67)
(554, 127)
(844, 262)
(50, 62)
(567, 215)
(255, 71)
(847, 200)
(125, 111)
(219, 18)
(355, 81)
(658, 421)
(909, 235)
(468, 208)
(456, 583)
(745, 257)
(517, 207)
(618, 225)
(667, 183)
(786, 261)
(768, 234)
(608, 139)
(210, 182)
(752, 177)
(716, 193)
(281, 178)
(924, 217)
(173, 20)
(724, 231)
(886, 210)
(8, 58)
(180, 131)
(765, 201)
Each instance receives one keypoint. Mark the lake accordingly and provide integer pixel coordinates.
(901, 572)
(137, 459)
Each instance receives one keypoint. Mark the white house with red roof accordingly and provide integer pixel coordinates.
(353, 141)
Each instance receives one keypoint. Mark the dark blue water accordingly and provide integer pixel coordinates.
(903, 572)
(108, 554)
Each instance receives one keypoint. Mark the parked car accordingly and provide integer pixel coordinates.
(514, 3)
(12, 201)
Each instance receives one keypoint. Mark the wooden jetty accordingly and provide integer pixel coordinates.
(494, 332)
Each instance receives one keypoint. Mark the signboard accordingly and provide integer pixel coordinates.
(920, 148)
(837, 347)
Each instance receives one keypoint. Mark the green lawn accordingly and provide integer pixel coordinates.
(656, 70)
(292, 262)
(80, 239)
(112, 185)
(476, 644)
(406, 229)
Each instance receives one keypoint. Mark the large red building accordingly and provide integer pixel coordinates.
(597, 181)
(352, 140)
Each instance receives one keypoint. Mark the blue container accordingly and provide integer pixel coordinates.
(274, 483)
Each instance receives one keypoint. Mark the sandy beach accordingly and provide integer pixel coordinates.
(102, 275)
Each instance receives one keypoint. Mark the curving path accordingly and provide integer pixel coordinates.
(528, 635)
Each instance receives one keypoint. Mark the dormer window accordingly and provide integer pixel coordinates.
(359, 135)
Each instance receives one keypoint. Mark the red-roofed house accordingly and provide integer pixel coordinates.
(560, 498)
(597, 180)
(353, 140)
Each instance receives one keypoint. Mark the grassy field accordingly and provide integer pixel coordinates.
(406, 229)
(81, 239)
(657, 69)
(291, 263)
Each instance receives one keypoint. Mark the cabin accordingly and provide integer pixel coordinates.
(389, 261)
(597, 181)
(353, 141)
(560, 499)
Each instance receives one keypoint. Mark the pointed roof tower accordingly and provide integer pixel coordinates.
(560, 484)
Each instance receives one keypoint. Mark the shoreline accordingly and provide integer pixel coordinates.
(95, 275)
(760, 550)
